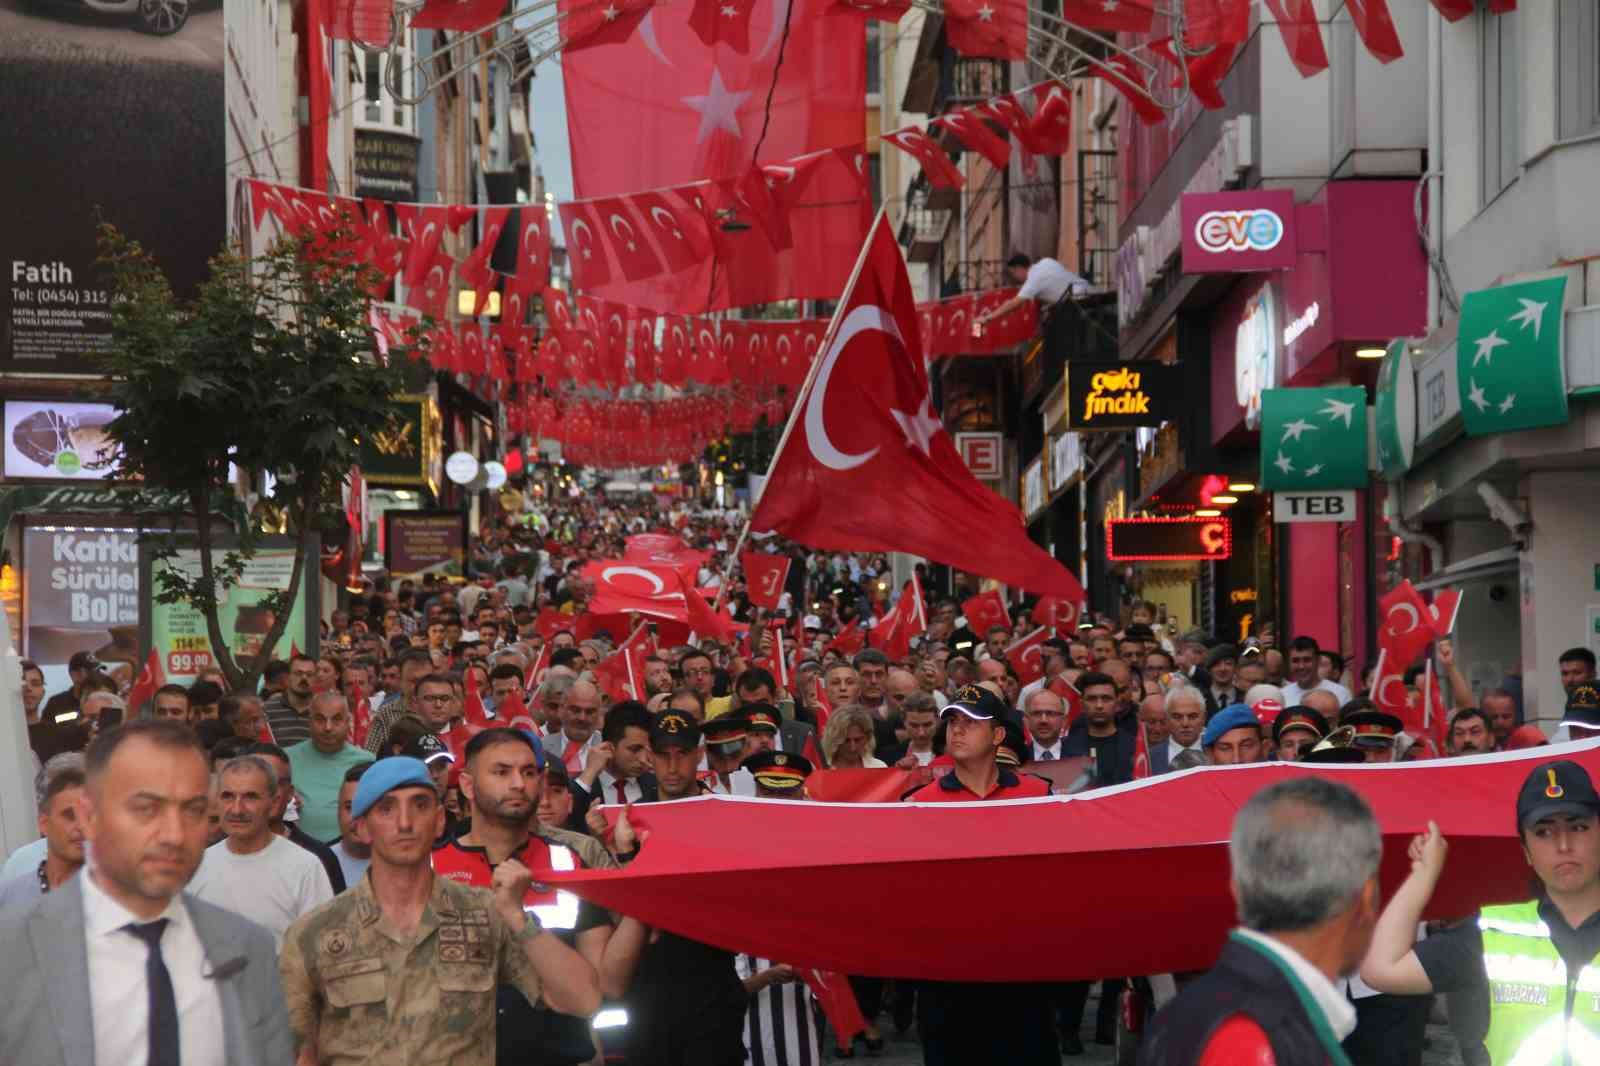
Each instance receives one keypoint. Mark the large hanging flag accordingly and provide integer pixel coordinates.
(1314, 438)
(866, 465)
(1509, 364)
(996, 29)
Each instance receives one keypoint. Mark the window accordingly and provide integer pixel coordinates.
(874, 57)
(379, 109)
(1502, 103)
(1579, 84)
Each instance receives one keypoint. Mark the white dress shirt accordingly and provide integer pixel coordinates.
(1339, 1011)
(1038, 751)
(1049, 281)
(1174, 749)
(118, 997)
(607, 782)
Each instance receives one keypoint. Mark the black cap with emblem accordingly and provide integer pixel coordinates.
(674, 729)
(1553, 788)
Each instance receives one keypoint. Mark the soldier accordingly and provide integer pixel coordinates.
(403, 967)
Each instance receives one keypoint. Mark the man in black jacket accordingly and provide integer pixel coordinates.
(1304, 854)
(1100, 734)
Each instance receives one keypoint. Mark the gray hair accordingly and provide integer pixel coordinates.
(1301, 850)
(254, 763)
(1185, 691)
(331, 696)
(556, 685)
(68, 762)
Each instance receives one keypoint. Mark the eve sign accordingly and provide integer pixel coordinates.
(1238, 232)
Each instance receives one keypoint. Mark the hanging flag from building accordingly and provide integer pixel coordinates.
(1509, 361)
(1314, 438)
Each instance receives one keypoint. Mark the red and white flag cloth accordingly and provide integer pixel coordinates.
(151, 677)
(1443, 610)
(984, 611)
(1141, 755)
(1375, 26)
(1026, 656)
(765, 575)
(1302, 34)
(1129, 16)
(1059, 614)
(995, 29)
(1404, 628)
(936, 164)
(864, 430)
(909, 618)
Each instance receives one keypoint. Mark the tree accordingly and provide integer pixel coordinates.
(270, 368)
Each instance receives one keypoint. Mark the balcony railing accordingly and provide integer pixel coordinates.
(969, 80)
(1097, 216)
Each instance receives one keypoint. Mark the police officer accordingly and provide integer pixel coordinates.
(503, 782)
(779, 774)
(1296, 730)
(403, 967)
(1535, 955)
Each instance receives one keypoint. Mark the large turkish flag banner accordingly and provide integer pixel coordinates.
(869, 466)
(664, 109)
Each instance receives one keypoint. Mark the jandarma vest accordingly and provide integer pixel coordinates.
(1540, 1015)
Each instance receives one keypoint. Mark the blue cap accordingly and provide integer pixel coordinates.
(1237, 716)
(386, 775)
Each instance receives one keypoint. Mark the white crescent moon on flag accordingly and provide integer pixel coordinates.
(647, 34)
(780, 15)
(863, 318)
(1415, 618)
(582, 236)
(664, 218)
(1384, 683)
(656, 584)
(618, 224)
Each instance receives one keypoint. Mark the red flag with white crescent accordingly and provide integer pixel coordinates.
(151, 677)
(1141, 755)
(1026, 656)
(765, 575)
(1443, 610)
(1404, 627)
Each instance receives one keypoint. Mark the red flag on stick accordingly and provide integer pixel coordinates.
(1442, 612)
(360, 715)
(764, 577)
(984, 611)
(472, 708)
(838, 1004)
(884, 449)
(144, 687)
(1405, 631)
(1026, 656)
(1141, 755)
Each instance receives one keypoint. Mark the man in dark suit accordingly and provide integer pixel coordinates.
(617, 770)
(119, 964)
(757, 685)
(1219, 689)
(1305, 857)
(1186, 719)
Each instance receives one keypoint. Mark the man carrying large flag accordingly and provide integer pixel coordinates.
(865, 464)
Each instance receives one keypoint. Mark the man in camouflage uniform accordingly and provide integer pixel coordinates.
(403, 968)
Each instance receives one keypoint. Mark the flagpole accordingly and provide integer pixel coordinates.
(805, 389)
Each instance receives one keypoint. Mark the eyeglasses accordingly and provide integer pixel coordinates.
(436, 700)
(698, 671)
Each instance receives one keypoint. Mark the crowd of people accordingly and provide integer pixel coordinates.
(328, 822)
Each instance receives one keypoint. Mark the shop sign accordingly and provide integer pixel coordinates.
(1438, 400)
(1121, 395)
(983, 453)
(405, 452)
(1314, 438)
(1033, 493)
(1510, 373)
(1395, 410)
(1168, 539)
(421, 542)
(59, 439)
(81, 594)
(245, 612)
(1238, 232)
(386, 165)
(1143, 256)
(1314, 506)
(1066, 461)
(1256, 353)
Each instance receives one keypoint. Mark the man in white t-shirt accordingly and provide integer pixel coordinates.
(1046, 281)
(254, 872)
(1304, 658)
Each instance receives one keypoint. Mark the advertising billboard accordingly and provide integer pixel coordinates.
(178, 630)
(80, 593)
(113, 112)
(424, 542)
(59, 439)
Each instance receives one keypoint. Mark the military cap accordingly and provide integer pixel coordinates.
(674, 729)
(780, 771)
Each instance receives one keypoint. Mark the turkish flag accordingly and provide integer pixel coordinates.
(629, 249)
(1051, 128)
(892, 635)
(942, 174)
(586, 24)
(1069, 695)
(1058, 613)
(623, 669)
(1026, 656)
(682, 234)
(821, 707)
(970, 129)
(1302, 35)
(705, 621)
(689, 112)
(1130, 16)
(431, 294)
(996, 29)
(837, 1000)
(586, 255)
(665, 549)
(1009, 113)
(985, 610)
(536, 669)
(367, 22)
(1452, 10)
(1405, 628)
(464, 15)
(620, 587)
(879, 473)
(1216, 22)
(150, 678)
(1141, 755)
(533, 251)
(851, 639)
(723, 22)
(764, 577)
(425, 226)
(360, 715)
(1129, 79)
(1376, 28)
(1443, 610)
(472, 708)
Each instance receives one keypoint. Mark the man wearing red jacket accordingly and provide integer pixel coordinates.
(1305, 857)
(975, 728)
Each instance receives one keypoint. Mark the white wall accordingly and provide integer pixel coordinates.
(1558, 585)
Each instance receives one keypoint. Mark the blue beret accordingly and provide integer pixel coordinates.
(1237, 716)
(386, 775)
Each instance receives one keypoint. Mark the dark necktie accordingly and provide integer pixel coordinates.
(622, 796)
(1044, 756)
(163, 1001)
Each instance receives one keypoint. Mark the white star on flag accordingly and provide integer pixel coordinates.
(1338, 409)
(1293, 430)
(1532, 314)
(1486, 347)
(919, 426)
(1110, 5)
(719, 108)
(1283, 463)
(611, 13)
(1313, 471)
(1508, 403)
(1476, 397)
(985, 13)
(730, 11)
